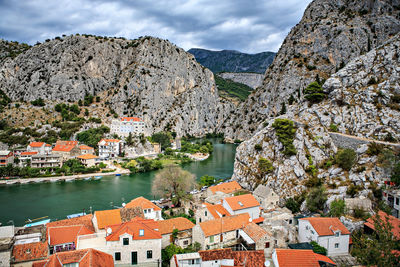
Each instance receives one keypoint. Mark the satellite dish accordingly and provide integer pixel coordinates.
(267, 263)
(250, 219)
(109, 231)
(123, 204)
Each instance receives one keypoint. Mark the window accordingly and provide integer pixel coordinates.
(205, 213)
(312, 231)
(397, 200)
(212, 239)
(200, 220)
(267, 245)
(337, 234)
(73, 264)
(145, 211)
(186, 242)
(117, 256)
(125, 241)
(141, 232)
(336, 245)
(149, 254)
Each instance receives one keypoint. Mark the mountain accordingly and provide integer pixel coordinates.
(330, 34)
(147, 77)
(11, 49)
(232, 61)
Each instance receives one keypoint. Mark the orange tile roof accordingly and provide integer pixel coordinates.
(63, 148)
(242, 202)
(66, 234)
(85, 257)
(87, 156)
(254, 231)
(180, 223)
(111, 140)
(226, 188)
(130, 119)
(85, 147)
(67, 143)
(48, 145)
(29, 153)
(392, 220)
(30, 251)
(300, 257)
(142, 203)
(225, 224)
(133, 228)
(253, 258)
(85, 220)
(326, 226)
(36, 144)
(217, 210)
(258, 220)
(107, 217)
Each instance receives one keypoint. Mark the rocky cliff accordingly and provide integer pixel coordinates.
(330, 34)
(363, 101)
(253, 80)
(233, 61)
(147, 77)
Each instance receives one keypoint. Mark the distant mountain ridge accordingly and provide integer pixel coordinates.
(233, 61)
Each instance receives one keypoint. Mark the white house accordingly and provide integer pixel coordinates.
(126, 125)
(39, 147)
(392, 198)
(150, 210)
(210, 212)
(110, 148)
(242, 204)
(184, 231)
(327, 232)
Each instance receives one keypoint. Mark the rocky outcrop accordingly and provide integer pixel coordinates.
(11, 49)
(330, 34)
(253, 80)
(362, 101)
(147, 77)
(233, 61)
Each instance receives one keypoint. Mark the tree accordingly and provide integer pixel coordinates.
(314, 92)
(318, 249)
(337, 208)
(163, 138)
(129, 140)
(173, 182)
(346, 158)
(265, 166)
(316, 199)
(396, 174)
(207, 180)
(286, 131)
(378, 248)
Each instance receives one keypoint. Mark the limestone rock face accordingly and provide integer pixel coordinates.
(362, 102)
(147, 77)
(330, 34)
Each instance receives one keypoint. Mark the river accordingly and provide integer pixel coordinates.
(56, 200)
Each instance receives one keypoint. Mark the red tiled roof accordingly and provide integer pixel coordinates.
(30, 252)
(85, 147)
(87, 156)
(67, 143)
(85, 257)
(392, 220)
(85, 220)
(36, 144)
(63, 148)
(133, 228)
(253, 258)
(66, 234)
(142, 203)
(130, 119)
(225, 224)
(254, 231)
(28, 153)
(48, 145)
(217, 209)
(111, 140)
(180, 223)
(326, 225)
(226, 188)
(300, 257)
(258, 220)
(242, 202)
(107, 217)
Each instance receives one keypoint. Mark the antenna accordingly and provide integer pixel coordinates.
(267, 263)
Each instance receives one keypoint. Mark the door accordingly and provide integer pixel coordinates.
(134, 257)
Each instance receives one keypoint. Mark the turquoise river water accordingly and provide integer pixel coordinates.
(56, 200)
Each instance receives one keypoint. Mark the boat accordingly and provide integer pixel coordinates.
(40, 222)
(87, 178)
(97, 177)
(118, 174)
(76, 215)
(69, 180)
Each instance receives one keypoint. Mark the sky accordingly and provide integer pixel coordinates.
(243, 25)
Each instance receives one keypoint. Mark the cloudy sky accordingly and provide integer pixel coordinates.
(243, 25)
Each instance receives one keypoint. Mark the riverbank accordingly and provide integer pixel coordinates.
(198, 156)
(61, 178)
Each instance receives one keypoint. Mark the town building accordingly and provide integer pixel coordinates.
(150, 210)
(327, 232)
(210, 212)
(369, 225)
(135, 242)
(266, 196)
(25, 158)
(256, 238)
(110, 148)
(86, 150)
(64, 238)
(242, 204)
(300, 257)
(88, 160)
(127, 125)
(392, 199)
(183, 228)
(39, 147)
(66, 149)
(227, 188)
(6, 242)
(24, 255)
(82, 258)
(104, 218)
(6, 157)
(46, 161)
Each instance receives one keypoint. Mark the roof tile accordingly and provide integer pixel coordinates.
(143, 203)
(217, 210)
(254, 231)
(36, 144)
(242, 202)
(87, 156)
(224, 224)
(180, 223)
(392, 220)
(107, 217)
(300, 257)
(326, 226)
(66, 234)
(30, 251)
(133, 228)
(226, 188)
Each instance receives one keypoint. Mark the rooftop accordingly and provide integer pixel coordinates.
(28, 153)
(85, 220)
(226, 188)
(63, 148)
(138, 228)
(253, 258)
(66, 234)
(327, 226)
(217, 211)
(67, 143)
(143, 203)
(36, 144)
(30, 251)
(87, 156)
(300, 257)
(224, 224)
(107, 217)
(130, 119)
(263, 191)
(392, 220)
(85, 147)
(255, 232)
(4, 152)
(242, 202)
(180, 223)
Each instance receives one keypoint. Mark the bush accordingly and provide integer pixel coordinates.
(360, 213)
(314, 92)
(318, 249)
(346, 158)
(207, 180)
(352, 190)
(316, 199)
(265, 166)
(333, 127)
(374, 149)
(286, 131)
(258, 147)
(337, 208)
(38, 102)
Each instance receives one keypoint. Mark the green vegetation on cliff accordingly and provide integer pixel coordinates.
(229, 88)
